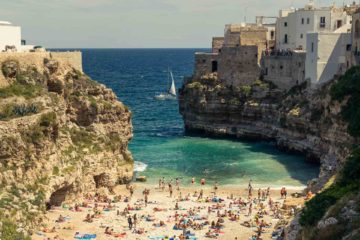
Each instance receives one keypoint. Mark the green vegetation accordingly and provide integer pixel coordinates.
(9, 231)
(39, 131)
(82, 138)
(56, 171)
(11, 111)
(17, 89)
(349, 85)
(347, 183)
(246, 90)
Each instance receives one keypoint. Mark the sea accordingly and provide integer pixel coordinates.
(159, 146)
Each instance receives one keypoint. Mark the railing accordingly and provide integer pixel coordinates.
(280, 52)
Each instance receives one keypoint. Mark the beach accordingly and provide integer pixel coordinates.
(161, 210)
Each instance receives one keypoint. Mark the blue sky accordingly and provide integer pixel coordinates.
(134, 23)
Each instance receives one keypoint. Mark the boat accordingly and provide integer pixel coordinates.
(171, 92)
(141, 179)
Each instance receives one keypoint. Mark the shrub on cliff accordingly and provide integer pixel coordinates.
(349, 86)
(9, 231)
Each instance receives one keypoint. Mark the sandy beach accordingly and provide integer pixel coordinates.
(200, 212)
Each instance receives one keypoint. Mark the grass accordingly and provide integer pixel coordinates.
(10, 111)
(26, 90)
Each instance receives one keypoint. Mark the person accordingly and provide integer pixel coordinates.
(201, 194)
(192, 181)
(130, 222)
(135, 220)
(146, 200)
(131, 188)
(249, 185)
(163, 184)
(202, 181)
(170, 189)
(177, 184)
(159, 183)
(215, 187)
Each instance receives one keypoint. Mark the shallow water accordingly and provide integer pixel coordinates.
(136, 76)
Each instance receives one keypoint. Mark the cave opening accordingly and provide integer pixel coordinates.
(59, 196)
(101, 180)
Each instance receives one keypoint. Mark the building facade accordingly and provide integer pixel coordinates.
(293, 24)
(326, 56)
(10, 39)
(10, 36)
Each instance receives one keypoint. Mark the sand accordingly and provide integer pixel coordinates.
(110, 219)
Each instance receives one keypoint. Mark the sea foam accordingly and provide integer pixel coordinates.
(139, 166)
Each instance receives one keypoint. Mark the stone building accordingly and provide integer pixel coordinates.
(284, 68)
(235, 57)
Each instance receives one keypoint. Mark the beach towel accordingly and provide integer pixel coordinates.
(156, 237)
(85, 236)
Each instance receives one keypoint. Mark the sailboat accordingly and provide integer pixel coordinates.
(171, 92)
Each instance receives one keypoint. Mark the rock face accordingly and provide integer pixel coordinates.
(300, 120)
(61, 134)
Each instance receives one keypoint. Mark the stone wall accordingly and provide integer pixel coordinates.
(217, 44)
(36, 59)
(285, 71)
(247, 35)
(203, 64)
(238, 65)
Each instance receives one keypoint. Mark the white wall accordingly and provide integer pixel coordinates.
(295, 28)
(10, 35)
(328, 57)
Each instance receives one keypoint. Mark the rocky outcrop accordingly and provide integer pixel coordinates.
(62, 135)
(301, 120)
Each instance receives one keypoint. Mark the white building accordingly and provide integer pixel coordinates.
(10, 38)
(293, 24)
(326, 55)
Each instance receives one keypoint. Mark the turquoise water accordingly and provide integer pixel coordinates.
(136, 76)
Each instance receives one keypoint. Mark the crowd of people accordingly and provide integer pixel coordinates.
(208, 214)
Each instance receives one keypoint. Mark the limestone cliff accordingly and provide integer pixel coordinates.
(62, 135)
(300, 120)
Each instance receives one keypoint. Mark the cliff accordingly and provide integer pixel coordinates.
(62, 135)
(301, 120)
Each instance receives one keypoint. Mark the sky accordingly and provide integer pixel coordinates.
(135, 23)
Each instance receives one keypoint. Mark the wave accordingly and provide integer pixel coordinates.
(140, 166)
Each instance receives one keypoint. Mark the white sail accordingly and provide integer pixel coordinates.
(172, 89)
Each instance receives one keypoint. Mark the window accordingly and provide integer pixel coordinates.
(285, 24)
(302, 21)
(272, 35)
(312, 47)
(286, 38)
(308, 20)
(214, 66)
(322, 22)
(357, 29)
(301, 35)
(348, 47)
(338, 24)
